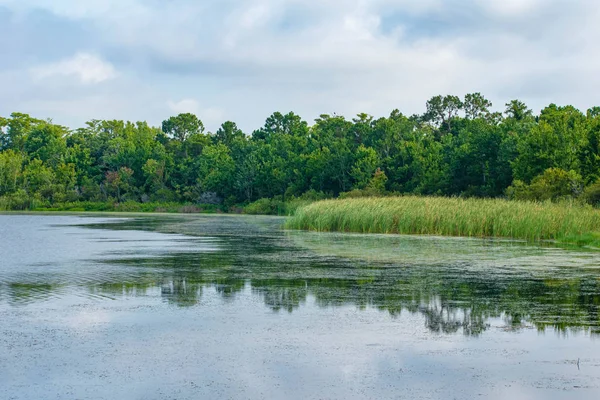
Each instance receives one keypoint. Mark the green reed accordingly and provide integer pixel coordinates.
(566, 223)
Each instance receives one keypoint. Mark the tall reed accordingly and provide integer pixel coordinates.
(567, 223)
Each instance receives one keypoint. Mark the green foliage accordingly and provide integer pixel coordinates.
(458, 147)
(217, 169)
(182, 126)
(377, 183)
(441, 110)
(364, 166)
(11, 164)
(46, 143)
(374, 188)
(18, 200)
(276, 205)
(554, 184)
(37, 177)
(568, 224)
(265, 207)
(591, 194)
(518, 110)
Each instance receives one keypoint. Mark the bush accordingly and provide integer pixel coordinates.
(554, 184)
(591, 194)
(264, 207)
(18, 200)
(164, 195)
(375, 187)
(312, 195)
(129, 206)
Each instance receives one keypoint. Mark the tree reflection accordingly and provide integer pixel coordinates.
(452, 298)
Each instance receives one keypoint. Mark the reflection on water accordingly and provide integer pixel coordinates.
(456, 285)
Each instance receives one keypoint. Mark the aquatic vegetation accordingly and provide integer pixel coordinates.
(532, 221)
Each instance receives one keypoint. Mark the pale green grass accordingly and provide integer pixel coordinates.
(565, 223)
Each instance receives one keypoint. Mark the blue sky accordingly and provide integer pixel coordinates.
(241, 60)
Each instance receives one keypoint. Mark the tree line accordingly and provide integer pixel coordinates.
(457, 147)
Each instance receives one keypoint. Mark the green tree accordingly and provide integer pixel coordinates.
(15, 130)
(377, 183)
(364, 166)
(476, 106)
(518, 110)
(216, 170)
(182, 126)
(11, 164)
(441, 110)
(228, 133)
(155, 175)
(38, 178)
(47, 143)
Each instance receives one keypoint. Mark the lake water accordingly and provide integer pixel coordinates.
(193, 307)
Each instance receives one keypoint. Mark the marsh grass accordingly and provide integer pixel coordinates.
(565, 223)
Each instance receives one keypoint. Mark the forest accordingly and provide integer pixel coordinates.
(458, 147)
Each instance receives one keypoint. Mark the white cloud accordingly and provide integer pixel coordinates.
(511, 8)
(86, 68)
(211, 116)
(184, 106)
(247, 58)
(75, 8)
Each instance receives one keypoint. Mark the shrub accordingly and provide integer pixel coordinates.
(18, 200)
(129, 206)
(554, 184)
(264, 207)
(591, 194)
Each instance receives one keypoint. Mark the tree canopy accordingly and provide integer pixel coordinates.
(457, 147)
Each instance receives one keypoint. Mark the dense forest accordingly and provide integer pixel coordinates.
(458, 147)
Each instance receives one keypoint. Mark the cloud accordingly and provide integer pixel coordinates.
(248, 58)
(86, 68)
(184, 106)
(511, 7)
(209, 115)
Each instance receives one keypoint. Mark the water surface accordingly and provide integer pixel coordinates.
(189, 307)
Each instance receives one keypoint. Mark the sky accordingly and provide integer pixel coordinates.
(242, 60)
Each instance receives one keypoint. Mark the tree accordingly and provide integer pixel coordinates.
(15, 130)
(227, 133)
(4, 140)
(475, 162)
(364, 166)
(38, 177)
(476, 106)
(442, 109)
(556, 141)
(216, 170)
(182, 126)
(377, 183)
(155, 175)
(46, 142)
(518, 110)
(119, 183)
(442, 152)
(280, 124)
(11, 164)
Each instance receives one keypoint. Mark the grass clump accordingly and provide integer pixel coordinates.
(566, 223)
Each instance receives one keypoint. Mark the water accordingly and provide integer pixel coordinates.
(189, 307)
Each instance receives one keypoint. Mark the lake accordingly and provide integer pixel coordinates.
(198, 306)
